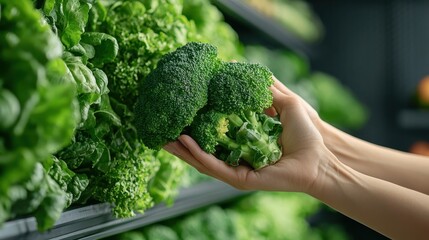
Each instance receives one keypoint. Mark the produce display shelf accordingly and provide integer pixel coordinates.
(413, 119)
(245, 13)
(96, 221)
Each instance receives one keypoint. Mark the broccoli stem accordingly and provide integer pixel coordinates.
(248, 140)
(235, 120)
(251, 117)
(228, 142)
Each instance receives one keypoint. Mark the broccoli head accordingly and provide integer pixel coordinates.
(172, 94)
(219, 104)
(240, 87)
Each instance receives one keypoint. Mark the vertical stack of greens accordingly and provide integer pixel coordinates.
(144, 30)
(38, 115)
(70, 76)
(109, 48)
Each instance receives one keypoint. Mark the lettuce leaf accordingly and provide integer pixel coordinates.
(68, 18)
(36, 99)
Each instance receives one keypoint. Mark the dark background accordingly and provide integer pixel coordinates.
(379, 49)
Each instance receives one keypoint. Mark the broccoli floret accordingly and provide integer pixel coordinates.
(235, 128)
(217, 103)
(172, 94)
(249, 136)
(240, 87)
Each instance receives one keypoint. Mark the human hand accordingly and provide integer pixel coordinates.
(302, 146)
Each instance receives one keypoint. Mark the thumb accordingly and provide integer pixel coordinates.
(282, 101)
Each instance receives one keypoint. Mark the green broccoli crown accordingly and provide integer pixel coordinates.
(207, 128)
(240, 87)
(172, 94)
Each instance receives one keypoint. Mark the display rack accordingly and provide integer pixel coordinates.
(96, 221)
(245, 13)
(414, 119)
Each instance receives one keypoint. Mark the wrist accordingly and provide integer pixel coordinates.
(344, 146)
(332, 137)
(331, 173)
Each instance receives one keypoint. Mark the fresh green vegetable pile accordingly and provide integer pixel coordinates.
(38, 115)
(109, 48)
(258, 216)
(69, 82)
(220, 104)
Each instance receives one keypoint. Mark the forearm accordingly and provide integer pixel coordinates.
(390, 209)
(405, 169)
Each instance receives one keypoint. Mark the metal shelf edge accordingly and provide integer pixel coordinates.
(96, 221)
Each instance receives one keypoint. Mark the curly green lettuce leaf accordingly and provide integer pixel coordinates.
(145, 30)
(84, 151)
(165, 185)
(97, 14)
(125, 183)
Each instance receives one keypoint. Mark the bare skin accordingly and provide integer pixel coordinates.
(382, 188)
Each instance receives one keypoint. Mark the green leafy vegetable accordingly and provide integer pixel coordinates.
(279, 216)
(105, 47)
(125, 182)
(35, 98)
(164, 186)
(71, 183)
(41, 196)
(212, 223)
(145, 31)
(68, 19)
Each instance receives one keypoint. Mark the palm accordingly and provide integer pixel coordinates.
(295, 171)
(300, 139)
